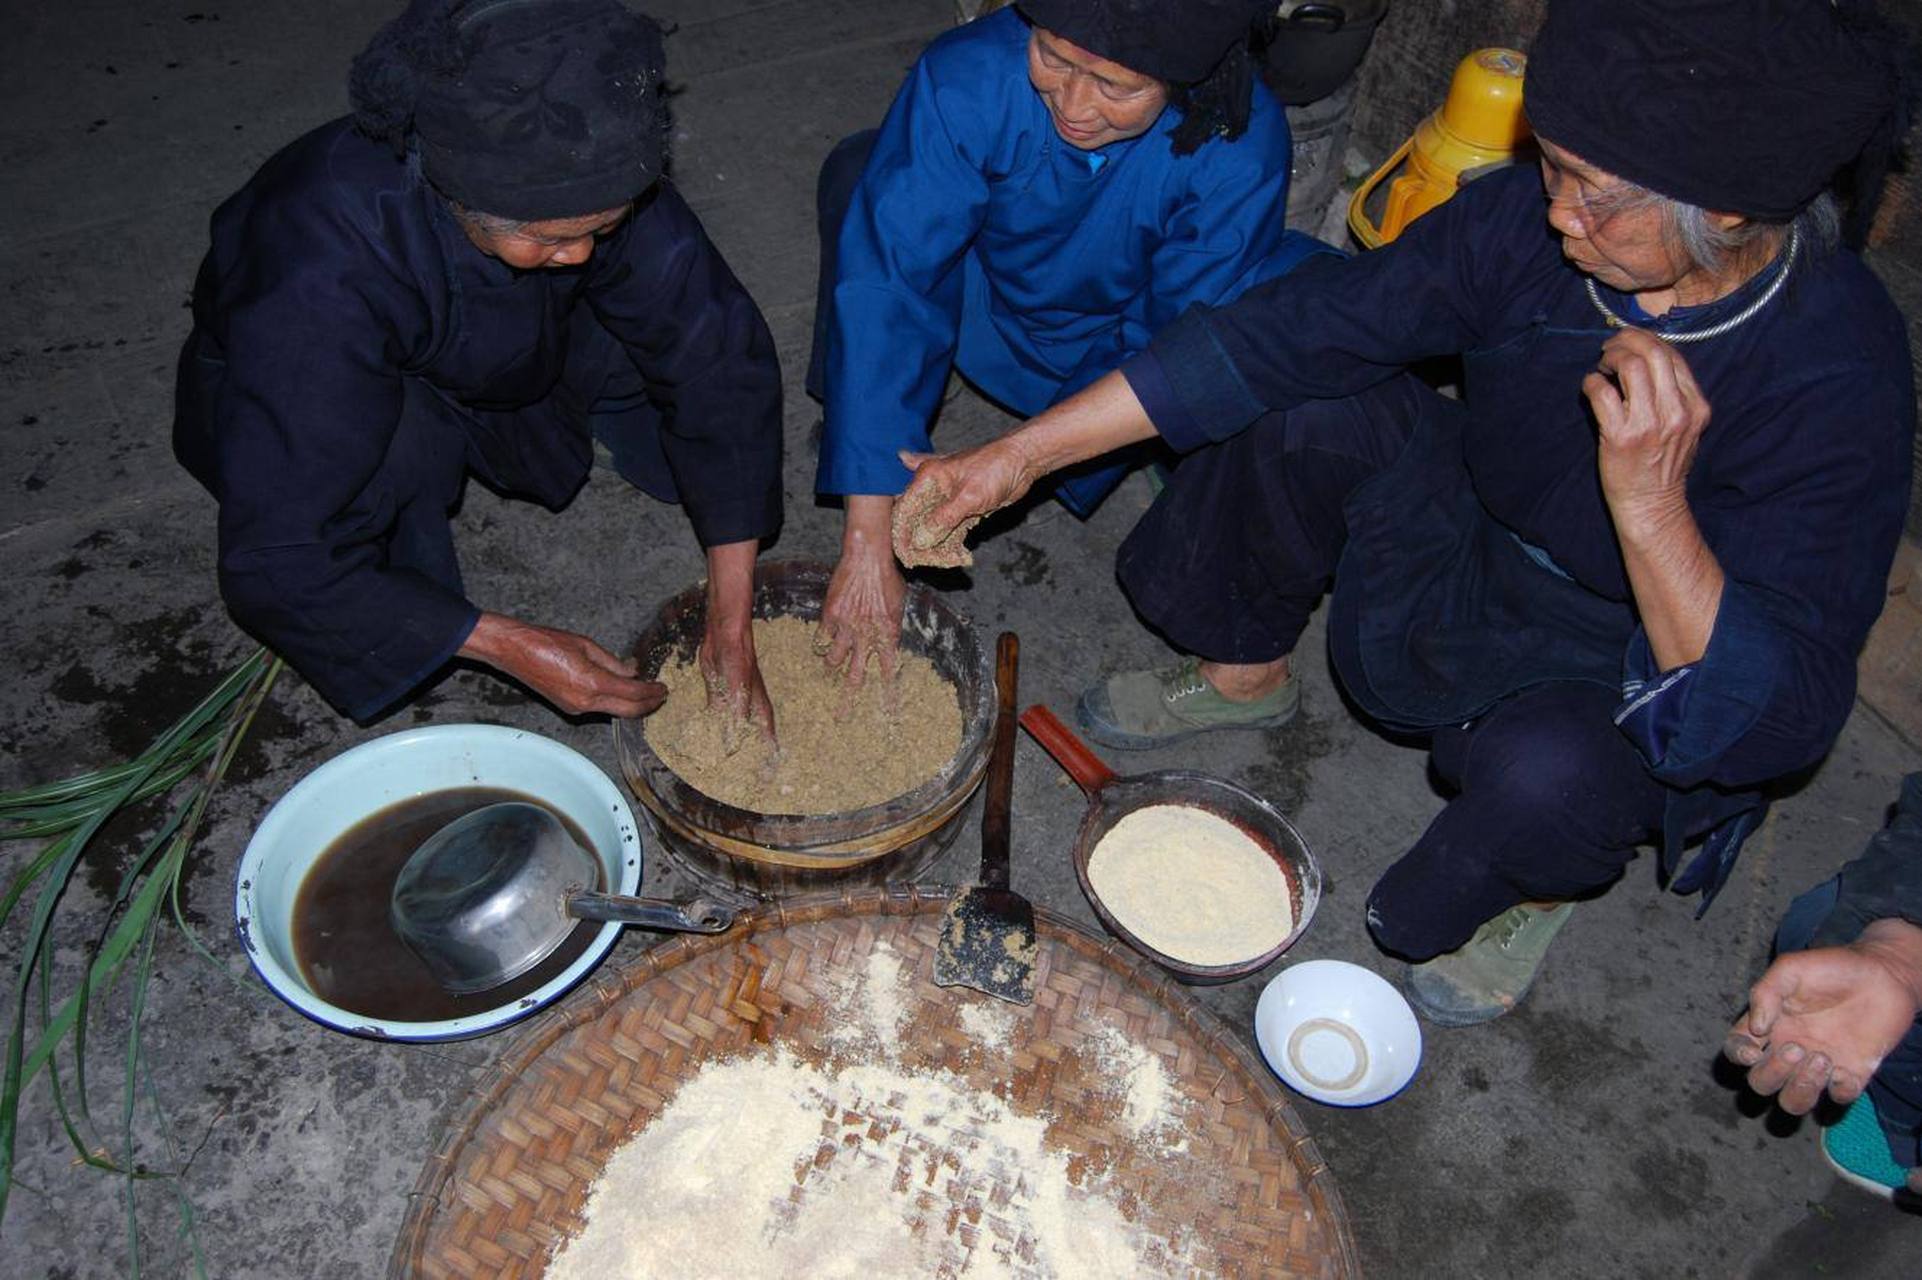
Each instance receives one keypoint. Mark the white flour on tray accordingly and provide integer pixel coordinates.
(767, 1165)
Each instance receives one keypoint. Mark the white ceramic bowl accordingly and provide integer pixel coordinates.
(1338, 1033)
(368, 778)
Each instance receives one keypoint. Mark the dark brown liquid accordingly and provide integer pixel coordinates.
(348, 952)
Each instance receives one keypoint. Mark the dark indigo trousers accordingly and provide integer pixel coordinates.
(1896, 1086)
(1231, 559)
(1552, 799)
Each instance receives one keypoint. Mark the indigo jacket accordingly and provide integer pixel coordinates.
(354, 356)
(1485, 560)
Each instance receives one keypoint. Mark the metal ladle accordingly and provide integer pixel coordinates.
(495, 892)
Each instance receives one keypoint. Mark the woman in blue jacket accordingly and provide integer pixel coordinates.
(1053, 184)
(479, 271)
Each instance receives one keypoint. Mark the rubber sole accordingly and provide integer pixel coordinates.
(1097, 730)
(1451, 1018)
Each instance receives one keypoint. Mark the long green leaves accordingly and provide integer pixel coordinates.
(68, 815)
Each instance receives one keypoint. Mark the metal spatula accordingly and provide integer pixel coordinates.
(987, 936)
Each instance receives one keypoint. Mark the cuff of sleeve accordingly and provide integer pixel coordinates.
(1200, 380)
(856, 462)
(1691, 723)
(445, 616)
(1653, 711)
(717, 523)
(1150, 385)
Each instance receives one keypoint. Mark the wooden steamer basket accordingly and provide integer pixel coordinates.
(743, 854)
(516, 1161)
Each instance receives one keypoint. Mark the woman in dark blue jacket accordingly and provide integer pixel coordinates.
(1621, 583)
(478, 272)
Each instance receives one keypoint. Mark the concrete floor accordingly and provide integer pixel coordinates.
(1589, 1134)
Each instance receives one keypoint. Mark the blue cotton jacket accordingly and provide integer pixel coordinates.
(1885, 881)
(1487, 561)
(977, 238)
(353, 354)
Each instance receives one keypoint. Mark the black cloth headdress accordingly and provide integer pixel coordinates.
(1738, 106)
(1198, 48)
(532, 109)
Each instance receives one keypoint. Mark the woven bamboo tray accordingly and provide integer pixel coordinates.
(506, 1185)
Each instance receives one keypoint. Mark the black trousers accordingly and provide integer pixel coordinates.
(1550, 799)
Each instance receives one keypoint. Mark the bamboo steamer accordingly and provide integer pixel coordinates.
(511, 1174)
(747, 855)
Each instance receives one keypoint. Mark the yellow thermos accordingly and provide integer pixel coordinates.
(1479, 126)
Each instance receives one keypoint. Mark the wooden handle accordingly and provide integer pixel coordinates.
(1070, 752)
(995, 813)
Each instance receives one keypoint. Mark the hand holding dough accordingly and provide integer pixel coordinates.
(916, 544)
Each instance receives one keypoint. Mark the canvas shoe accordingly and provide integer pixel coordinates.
(1134, 710)
(1491, 972)
(1857, 1150)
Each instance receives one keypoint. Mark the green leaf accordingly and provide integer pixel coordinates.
(211, 726)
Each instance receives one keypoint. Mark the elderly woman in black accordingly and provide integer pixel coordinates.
(479, 271)
(1620, 586)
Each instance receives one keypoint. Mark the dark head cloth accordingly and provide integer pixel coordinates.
(1179, 41)
(1199, 48)
(1737, 106)
(532, 109)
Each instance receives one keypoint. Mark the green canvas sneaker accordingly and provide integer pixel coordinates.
(1491, 972)
(1134, 710)
(1857, 1150)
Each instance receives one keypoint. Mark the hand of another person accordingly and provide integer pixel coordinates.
(949, 495)
(732, 675)
(567, 669)
(862, 612)
(1824, 1019)
(1651, 414)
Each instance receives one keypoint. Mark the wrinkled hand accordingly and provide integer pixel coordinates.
(732, 676)
(862, 614)
(567, 669)
(949, 496)
(1651, 414)
(1824, 1019)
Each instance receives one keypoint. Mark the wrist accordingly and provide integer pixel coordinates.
(868, 527)
(1031, 457)
(487, 639)
(1651, 518)
(1896, 945)
(730, 588)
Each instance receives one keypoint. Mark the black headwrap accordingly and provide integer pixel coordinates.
(1739, 106)
(531, 109)
(1196, 47)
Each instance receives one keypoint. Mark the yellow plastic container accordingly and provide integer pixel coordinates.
(1480, 124)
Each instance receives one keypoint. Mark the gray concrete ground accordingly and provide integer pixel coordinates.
(1589, 1134)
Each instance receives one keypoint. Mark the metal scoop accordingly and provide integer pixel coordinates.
(492, 894)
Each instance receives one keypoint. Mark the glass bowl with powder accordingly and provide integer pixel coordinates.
(860, 793)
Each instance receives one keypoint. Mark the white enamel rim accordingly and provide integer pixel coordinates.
(373, 775)
(1359, 999)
